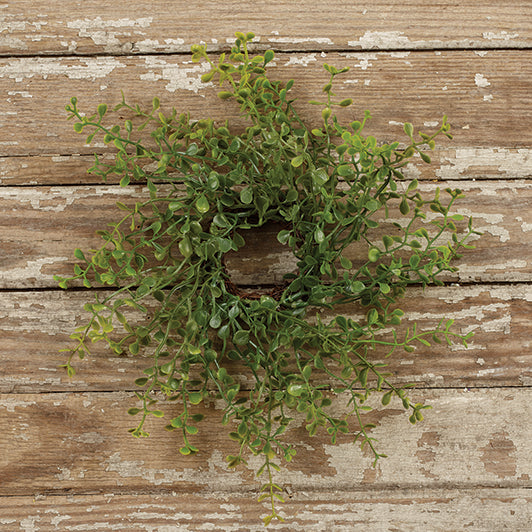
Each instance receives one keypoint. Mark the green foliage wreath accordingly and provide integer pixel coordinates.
(330, 187)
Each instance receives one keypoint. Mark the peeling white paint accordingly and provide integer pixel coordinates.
(364, 60)
(499, 36)
(13, 43)
(481, 53)
(526, 227)
(106, 32)
(178, 77)
(299, 40)
(301, 60)
(381, 39)
(488, 97)
(474, 272)
(152, 45)
(28, 524)
(32, 270)
(56, 520)
(400, 55)
(508, 162)
(10, 403)
(216, 476)
(64, 474)
(481, 313)
(481, 81)
(24, 94)
(90, 438)
(87, 68)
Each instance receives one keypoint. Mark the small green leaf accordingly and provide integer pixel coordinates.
(404, 208)
(246, 195)
(409, 129)
(102, 109)
(296, 390)
(374, 254)
(268, 56)
(297, 161)
(372, 316)
(79, 254)
(346, 263)
(241, 337)
(283, 236)
(195, 398)
(202, 204)
(386, 398)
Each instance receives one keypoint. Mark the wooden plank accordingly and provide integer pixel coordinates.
(408, 510)
(488, 97)
(78, 442)
(35, 326)
(39, 27)
(40, 228)
(447, 164)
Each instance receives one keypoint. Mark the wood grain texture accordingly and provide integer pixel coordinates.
(448, 163)
(40, 228)
(35, 326)
(158, 26)
(488, 97)
(66, 459)
(407, 510)
(79, 442)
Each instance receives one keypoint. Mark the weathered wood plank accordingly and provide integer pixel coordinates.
(408, 510)
(447, 164)
(79, 442)
(40, 228)
(35, 326)
(39, 27)
(488, 97)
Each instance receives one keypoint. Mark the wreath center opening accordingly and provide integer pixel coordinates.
(260, 266)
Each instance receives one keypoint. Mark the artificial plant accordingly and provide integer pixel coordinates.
(330, 186)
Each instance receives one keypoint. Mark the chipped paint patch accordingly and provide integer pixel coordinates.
(87, 68)
(301, 60)
(481, 81)
(298, 40)
(105, 33)
(526, 227)
(364, 60)
(32, 270)
(216, 477)
(178, 76)
(23, 94)
(509, 163)
(10, 403)
(499, 36)
(399, 55)
(90, 438)
(381, 39)
(147, 46)
(498, 456)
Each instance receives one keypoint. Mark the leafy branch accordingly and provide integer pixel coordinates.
(174, 301)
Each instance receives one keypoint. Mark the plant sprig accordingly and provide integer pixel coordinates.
(207, 186)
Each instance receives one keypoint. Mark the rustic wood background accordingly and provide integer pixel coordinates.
(66, 459)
